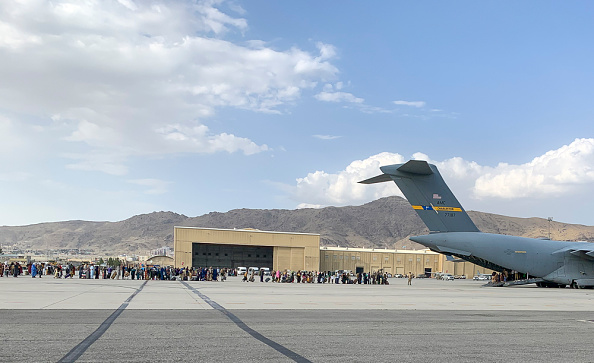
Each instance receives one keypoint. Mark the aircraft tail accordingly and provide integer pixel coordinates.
(429, 195)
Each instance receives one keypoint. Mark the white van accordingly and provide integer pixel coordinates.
(241, 271)
(254, 270)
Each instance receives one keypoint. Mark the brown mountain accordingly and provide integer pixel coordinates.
(386, 222)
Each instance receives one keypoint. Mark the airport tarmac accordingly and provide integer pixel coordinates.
(48, 320)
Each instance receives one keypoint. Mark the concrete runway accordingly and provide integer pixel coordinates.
(51, 320)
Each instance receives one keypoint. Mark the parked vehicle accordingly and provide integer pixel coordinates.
(447, 277)
(482, 277)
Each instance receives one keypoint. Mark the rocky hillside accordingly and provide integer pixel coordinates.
(387, 222)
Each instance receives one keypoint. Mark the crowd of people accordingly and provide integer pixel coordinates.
(142, 272)
(337, 277)
(93, 271)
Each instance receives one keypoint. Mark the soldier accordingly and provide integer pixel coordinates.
(410, 276)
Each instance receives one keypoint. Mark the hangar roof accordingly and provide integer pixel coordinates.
(249, 230)
(378, 250)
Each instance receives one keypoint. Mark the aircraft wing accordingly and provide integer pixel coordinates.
(585, 252)
(449, 250)
(452, 259)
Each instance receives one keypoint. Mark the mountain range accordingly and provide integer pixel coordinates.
(384, 223)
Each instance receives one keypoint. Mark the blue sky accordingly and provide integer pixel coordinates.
(114, 108)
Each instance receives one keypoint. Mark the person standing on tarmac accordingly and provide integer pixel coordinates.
(410, 276)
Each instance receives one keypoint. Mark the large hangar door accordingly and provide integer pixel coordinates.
(230, 256)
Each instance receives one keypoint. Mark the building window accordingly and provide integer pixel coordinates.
(375, 258)
(225, 254)
(216, 254)
(358, 258)
(336, 257)
(386, 259)
(249, 255)
(410, 260)
(418, 259)
(326, 256)
(353, 258)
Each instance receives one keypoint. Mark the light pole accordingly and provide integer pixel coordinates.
(550, 219)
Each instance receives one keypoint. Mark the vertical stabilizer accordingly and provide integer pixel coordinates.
(429, 195)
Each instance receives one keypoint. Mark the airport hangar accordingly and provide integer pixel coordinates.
(232, 248)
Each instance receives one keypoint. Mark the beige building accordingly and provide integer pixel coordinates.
(393, 261)
(205, 247)
(232, 248)
(160, 260)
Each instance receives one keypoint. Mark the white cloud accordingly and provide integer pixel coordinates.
(155, 186)
(338, 97)
(106, 162)
(327, 137)
(555, 174)
(321, 188)
(198, 139)
(115, 76)
(331, 93)
(417, 104)
(311, 206)
(10, 138)
(17, 176)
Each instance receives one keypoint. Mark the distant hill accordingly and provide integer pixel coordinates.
(386, 222)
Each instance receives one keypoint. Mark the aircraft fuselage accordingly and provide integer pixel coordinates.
(554, 261)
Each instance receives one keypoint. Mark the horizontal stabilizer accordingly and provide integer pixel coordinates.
(416, 167)
(377, 179)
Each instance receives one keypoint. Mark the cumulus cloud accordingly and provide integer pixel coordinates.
(128, 78)
(321, 188)
(333, 93)
(417, 104)
(556, 173)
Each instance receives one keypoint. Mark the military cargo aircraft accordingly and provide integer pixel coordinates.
(453, 233)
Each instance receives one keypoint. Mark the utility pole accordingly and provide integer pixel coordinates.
(550, 219)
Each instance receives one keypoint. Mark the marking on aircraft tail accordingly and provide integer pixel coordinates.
(440, 209)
